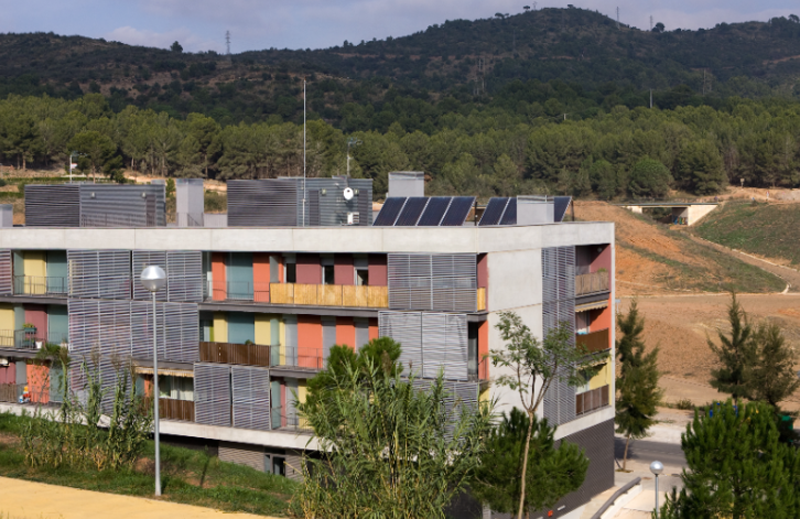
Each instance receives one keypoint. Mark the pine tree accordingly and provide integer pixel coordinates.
(772, 377)
(637, 384)
(737, 467)
(734, 353)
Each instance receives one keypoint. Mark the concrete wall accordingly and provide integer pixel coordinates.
(697, 212)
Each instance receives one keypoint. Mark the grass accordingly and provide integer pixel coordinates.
(188, 476)
(769, 230)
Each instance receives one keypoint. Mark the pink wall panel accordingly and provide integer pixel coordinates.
(309, 271)
(483, 270)
(8, 374)
(377, 270)
(37, 316)
(343, 270)
(602, 260)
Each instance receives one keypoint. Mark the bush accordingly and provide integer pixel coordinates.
(684, 404)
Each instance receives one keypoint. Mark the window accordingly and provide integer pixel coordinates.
(291, 273)
(362, 277)
(176, 388)
(328, 275)
(278, 466)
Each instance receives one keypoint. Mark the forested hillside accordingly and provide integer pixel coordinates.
(569, 63)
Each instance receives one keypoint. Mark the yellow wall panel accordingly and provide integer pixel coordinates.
(35, 267)
(220, 327)
(262, 329)
(7, 318)
(603, 377)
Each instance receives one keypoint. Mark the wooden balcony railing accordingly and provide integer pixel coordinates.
(227, 353)
(591, 400)
(481, 299)
(172, 409)
(594, 341)
(591, 283)
(329, 295)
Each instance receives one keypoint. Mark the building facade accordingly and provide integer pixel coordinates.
(249, 315)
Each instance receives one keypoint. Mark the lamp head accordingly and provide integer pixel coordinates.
(154, 278)
(657, 468)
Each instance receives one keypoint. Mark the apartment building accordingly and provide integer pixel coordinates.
(250, 312)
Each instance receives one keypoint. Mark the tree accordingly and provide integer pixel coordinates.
(176, 48)
(735, 353)
(552, 472)
(603, 179)
(659, 27)
(98, 149)
(772, 377)
(392, 447)
(737, 467)
(535, 366)
(649, 179)
(698, 168)
(637, 383)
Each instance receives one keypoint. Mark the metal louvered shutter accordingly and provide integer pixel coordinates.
(459, 397)
(99, 326)
(185, 276)
(95, 274)
(405, 328)
(212, 394)
(251, 395)
(146, 258)
(444, 345)
(438, 282)
(6, 272)
(179, 334)
(558, 305)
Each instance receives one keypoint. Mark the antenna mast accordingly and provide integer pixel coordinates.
(228, 43)
(304, 152)
(617, 18)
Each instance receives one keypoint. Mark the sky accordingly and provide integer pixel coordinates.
(200, 25)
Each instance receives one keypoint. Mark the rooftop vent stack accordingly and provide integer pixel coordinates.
(535, 209)
(189, 202)
(406, 183)
(6, 215)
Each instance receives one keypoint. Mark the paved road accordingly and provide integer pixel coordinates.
(669, 454)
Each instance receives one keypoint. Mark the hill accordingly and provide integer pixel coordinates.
(577, 60)
(651, 259)
(767, 230)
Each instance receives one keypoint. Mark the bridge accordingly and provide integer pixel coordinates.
(683, 213)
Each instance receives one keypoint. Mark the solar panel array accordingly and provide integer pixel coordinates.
(561, 203)
(500, 211)
(425, 212)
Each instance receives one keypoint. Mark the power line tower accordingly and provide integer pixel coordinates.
(617, 18)
(228, 44)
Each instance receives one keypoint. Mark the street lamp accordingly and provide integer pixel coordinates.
(352, 141)
(154, 279)
(656, 468)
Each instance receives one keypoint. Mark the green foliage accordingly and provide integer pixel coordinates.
(737, 467)
(684, 404)
(637, 383)
(772, 377)
(215, 202)
(552, 472)
(603, 179)
(394, 449)
(735, 352)
(698, 168)
(649, 178)
(170, 188)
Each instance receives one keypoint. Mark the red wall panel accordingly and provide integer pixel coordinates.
(345, 331)
(309, 271)
(373, 329)
(220, 287)
(261, 277)
(377, 270)
(37, 316)
(343, 270)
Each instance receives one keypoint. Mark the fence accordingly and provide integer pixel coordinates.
(31, 392)
(329, 295)
(302, 357)
(173, 409)
(228, 353)
(591, 400)
(288, 419)
(594, 341)
(591, 283)
(41, 285)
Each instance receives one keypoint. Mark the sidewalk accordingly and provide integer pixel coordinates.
(20, 499)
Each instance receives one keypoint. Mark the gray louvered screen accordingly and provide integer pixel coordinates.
(459, 396)
(439, 282)
(263, 203)
(558, 305)
(6, 272)
(179, 334)
(328, 336)
(185, 276)
(444, 345)
(250, 394)
(96, 274)
(52, 206)
(140, 260)
(405, 328)
(212, 394)
(109, 205)
(102, 326)
(362, 331)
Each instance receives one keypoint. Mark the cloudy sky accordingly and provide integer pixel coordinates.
(258, 24)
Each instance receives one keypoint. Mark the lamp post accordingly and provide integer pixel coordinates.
(154, 279)
(656, 468)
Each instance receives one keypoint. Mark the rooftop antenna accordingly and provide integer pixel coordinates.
(304, 152)
(617, 18)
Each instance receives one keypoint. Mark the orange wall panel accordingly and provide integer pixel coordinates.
(220, 287)
(345, 331)
(373, 329)
(38, 383)
(309, 341)
(261, 277)
(602, 320)
(483, 350)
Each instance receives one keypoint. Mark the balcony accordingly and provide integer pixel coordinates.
(173, 409)
(288, 419)
(300, 294)
(246, 354)
(594, 341)
(593, 283)
(41, 285)
(301, 357)
(591, 400)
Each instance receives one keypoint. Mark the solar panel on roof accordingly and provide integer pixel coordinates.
(560, 205)
(411, 211)
(391, 208)
(458, 211)
(510, 216)
(494, 211)
(434, 211)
